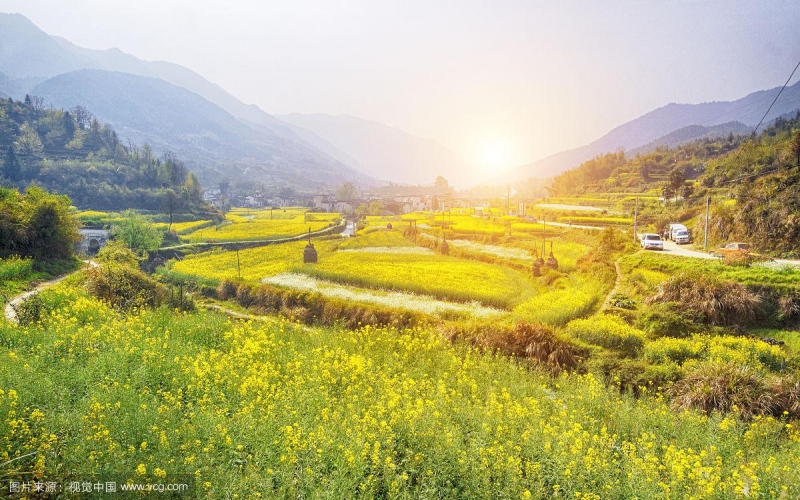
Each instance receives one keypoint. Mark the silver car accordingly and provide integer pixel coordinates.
(651, 241)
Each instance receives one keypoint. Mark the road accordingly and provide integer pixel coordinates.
(672, 248)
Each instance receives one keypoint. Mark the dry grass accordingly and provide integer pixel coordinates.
(719, 302)
(722, 387)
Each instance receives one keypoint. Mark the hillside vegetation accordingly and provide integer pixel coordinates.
(752, 183)
(70, 152)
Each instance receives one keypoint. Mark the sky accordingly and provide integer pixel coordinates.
(501, 82)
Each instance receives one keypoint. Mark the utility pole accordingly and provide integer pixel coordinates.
(508, 200)
(238, 265)
(708, 207)
(635, 218)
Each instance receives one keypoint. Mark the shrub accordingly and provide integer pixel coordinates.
(115, 252)
(226, 290)
(608, 331)
(787, 396)
(633, 375)
(30, 311)
(717, 302)
(723, 387)
(668, 320)
(524, 340)
(208, 292)
(789, 305)
(244, 295)
(123, 287)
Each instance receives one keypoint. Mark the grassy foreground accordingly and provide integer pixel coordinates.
(275, 410)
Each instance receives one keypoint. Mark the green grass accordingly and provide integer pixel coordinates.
(756, 274)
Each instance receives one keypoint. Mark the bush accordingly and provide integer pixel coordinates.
(723, 387)
(226, 290)
(717, 302)
(30, 311)
(524, 340)
(608, 331)
(787, 396)
(123, 287)
(631, 375)
(669, 320)
(115, 252)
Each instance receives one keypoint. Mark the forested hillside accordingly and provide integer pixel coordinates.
(753, 183)
(72, 153)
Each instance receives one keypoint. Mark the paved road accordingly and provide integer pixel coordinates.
(670, 247)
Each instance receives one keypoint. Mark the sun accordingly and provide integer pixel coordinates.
(494, 152)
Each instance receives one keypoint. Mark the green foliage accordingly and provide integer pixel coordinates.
(74, 154)
(138, 233)
(36, 224)
(124, 288)
(117, 252)
(30, 311)
(669, 320)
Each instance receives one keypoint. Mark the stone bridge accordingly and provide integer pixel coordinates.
(92, 240)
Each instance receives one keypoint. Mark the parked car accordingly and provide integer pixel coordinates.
(651, 241)
(737, 250)
(679, 234)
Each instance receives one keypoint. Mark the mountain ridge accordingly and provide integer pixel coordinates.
(384, 151)
(660, 122)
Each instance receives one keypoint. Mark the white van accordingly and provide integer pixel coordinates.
(679, 234)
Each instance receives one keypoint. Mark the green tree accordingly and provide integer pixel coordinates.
(139, 234)
(346, 192)
(192, 188)
(11, 168)
(29, 143)
(50, 228)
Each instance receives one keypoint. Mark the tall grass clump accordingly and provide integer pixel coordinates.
(723, 387)
(718, 302)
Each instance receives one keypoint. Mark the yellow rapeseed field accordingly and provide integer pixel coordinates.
(266, 410)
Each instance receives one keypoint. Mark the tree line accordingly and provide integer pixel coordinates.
(73, 153)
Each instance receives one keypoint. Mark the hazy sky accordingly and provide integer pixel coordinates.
(500, 82)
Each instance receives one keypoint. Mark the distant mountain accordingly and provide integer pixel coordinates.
(692, 133)
(172, 108)
(17, 87)
(27, 51)
(661, 122)
(386, 152)
(209, 138)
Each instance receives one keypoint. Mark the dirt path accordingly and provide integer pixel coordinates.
(10, 311)
(248, 317)
(617, 284)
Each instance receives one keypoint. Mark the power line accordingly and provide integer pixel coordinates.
(776, 99)
(755, 130)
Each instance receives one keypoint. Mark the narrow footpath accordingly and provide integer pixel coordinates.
(10, 311)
